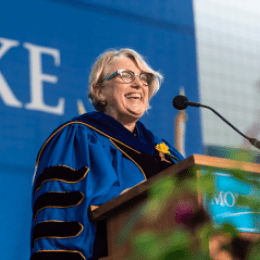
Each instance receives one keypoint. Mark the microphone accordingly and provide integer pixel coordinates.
(181, 102)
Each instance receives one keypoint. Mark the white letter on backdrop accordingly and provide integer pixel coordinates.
(37, 78)
(6, 93)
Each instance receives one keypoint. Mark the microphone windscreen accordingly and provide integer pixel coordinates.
(180, 102)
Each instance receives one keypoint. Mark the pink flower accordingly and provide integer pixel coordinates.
(184, 210)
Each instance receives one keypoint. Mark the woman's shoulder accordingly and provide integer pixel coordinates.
(73, 128)
(72, 135)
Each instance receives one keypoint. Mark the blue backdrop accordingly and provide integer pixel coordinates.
(47, 49)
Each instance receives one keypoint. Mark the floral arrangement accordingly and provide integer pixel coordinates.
(185, 229)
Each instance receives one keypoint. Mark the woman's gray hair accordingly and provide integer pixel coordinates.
(100, 68)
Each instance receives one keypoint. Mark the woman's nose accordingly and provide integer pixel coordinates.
(137, 81)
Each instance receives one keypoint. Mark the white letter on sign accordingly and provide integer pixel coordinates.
(37, 78)
(218, 200)
(233, 200)
(6, 93)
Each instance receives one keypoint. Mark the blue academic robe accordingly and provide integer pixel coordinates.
(87, 161)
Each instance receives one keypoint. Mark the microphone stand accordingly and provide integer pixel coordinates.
(181, 102)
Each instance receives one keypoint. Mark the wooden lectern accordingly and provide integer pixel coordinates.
(117, 211)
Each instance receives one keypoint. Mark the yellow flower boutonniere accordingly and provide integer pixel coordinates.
(165, 149)
(162, 148)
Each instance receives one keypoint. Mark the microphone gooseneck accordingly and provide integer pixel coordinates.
(182, 102)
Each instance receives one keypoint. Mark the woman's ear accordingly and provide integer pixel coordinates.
(98, 92)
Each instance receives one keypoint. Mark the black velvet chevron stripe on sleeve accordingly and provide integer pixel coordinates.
(57, 200)
(56, 229)
(60, 173)
(57, 255)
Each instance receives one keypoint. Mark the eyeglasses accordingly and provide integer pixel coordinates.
(128, 76)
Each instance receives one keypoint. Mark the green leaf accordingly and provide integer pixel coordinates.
(242, 201)
(249, 201)
(229, 229)
(145, 243)
(152, 209)
(254, 253)
(204, 233)
(180, 238)
(176, 245)
(245, 177)
(240, 175)
(190, 185)
(163, 188)
(207, 183)
(180, 254)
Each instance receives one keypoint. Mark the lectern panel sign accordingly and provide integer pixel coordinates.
(224, 206)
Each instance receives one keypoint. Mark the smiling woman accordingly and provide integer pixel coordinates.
(101, 68)
(125, 102)
(95, 157)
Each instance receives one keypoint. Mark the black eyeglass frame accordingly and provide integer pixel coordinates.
(119, 72)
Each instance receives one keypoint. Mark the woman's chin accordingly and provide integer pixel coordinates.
(137, 113)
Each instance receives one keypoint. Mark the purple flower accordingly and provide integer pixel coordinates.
(184, 210)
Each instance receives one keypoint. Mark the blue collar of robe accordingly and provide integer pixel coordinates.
(144, 142)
